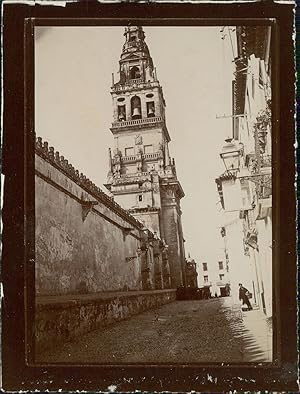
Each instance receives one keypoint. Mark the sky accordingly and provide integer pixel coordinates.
(73, 109)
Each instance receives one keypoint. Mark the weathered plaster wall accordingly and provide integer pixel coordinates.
(76, 254)
(151, 136)
(131, 200)
(150, 219)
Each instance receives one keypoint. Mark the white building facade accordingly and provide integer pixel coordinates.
(245, 187)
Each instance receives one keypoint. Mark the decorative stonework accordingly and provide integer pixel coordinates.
(171, 190)
(167, 192)
(147, 209)
(138, 139)
(54, 158)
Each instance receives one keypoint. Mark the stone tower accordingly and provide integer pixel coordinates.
(142, 176)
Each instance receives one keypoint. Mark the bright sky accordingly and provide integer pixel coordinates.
(73, 67)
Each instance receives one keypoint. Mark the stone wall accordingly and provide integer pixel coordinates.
(64, 318)
(85, 242)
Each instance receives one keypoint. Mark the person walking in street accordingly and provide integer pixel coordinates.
(227, 289)
(243, 296)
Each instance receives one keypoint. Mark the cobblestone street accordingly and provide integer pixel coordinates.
(184, 331)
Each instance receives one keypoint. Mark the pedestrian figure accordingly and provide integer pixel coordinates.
(243, 296)
(227, 289)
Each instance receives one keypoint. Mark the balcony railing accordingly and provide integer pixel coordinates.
(137, 122)
(132, 83)
(129, 158)
(145, 156)
(132, 178)
(134, 175)
(152, 156)
(131, 44)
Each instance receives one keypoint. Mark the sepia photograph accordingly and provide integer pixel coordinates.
(153, 173)
(148, 221)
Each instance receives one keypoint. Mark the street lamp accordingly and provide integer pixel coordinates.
(231, 154)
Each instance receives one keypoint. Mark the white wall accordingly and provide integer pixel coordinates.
(264, 227)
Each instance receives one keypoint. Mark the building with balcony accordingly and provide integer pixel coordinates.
(245, 188)
(142, 175)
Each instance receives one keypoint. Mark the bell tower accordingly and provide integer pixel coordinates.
(142, 175)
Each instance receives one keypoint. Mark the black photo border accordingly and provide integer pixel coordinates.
(19, 370)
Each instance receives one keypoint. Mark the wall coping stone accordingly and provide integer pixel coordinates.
(71, 300)
(43, 150)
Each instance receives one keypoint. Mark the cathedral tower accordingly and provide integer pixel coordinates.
(142, 175)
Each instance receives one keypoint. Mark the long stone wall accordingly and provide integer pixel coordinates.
(64, 318)
(85, 242)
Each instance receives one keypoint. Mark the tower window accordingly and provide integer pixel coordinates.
(221, 265)
(129, 151)
(135, 73)
(121, 112)
(205, 277)
(140, 198)
(204, 266)
(150, 109)
(136, 108)
(221, 276)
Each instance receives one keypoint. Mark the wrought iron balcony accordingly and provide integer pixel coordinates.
(254, 163)
(266, 161)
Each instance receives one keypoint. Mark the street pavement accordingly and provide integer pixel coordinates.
(202, 331)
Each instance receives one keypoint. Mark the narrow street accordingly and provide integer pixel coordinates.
(212, 330)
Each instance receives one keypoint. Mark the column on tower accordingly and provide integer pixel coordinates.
(171, 193)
